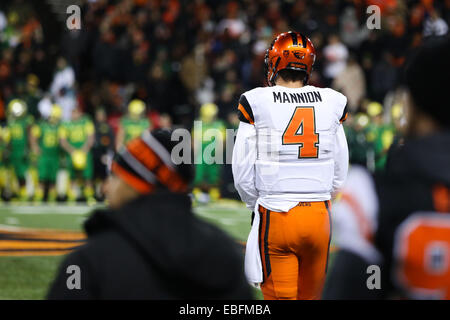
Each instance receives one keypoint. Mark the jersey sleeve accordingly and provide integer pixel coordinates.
(355, 216)
(6, 135)
(36, 131)
(344, 115)
(90, 130)
(341, 106)
(62, 132)
(243, 164)
(245, 112)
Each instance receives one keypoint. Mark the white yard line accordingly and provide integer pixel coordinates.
(10, 228)
(12, 220)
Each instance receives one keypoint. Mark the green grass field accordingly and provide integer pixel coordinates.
(29, 277)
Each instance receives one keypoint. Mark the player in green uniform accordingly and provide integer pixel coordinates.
(16, 137)
(358, 146)
(77, 138)
(207, 173)
(45, 146)
(380, 134)
(133, 124)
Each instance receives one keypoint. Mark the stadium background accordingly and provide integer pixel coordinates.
(177, 56)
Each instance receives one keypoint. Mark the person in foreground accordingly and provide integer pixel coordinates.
(393, 230)
(290, 156)
(149, 244)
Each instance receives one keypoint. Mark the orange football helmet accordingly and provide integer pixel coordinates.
(289, 50)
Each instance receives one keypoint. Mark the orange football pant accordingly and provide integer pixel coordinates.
(294, 249)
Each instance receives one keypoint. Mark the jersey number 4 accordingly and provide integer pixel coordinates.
(301, 130)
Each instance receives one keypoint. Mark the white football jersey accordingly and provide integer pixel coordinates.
(299, 144)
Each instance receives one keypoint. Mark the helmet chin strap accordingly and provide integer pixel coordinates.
(273, 79)
(305, 81)
(274, 75)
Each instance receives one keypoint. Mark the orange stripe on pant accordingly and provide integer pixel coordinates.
(294, 249)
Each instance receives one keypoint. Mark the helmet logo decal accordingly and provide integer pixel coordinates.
(297, 66)
(298, 54)
(286, 53)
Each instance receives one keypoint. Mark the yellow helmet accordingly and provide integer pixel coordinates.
(17, 108)
(56, 112)
(208, 111)
(374, 109)
(136, 107)
(79, 159)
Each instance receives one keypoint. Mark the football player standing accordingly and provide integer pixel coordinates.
(132, 124)
(393, 230)
(289, 158)
(44, 144)
(16, 137)
(76, 139)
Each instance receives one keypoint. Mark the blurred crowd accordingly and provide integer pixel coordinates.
(169, 58)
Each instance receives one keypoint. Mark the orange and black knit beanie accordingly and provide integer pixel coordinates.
(145, 163)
